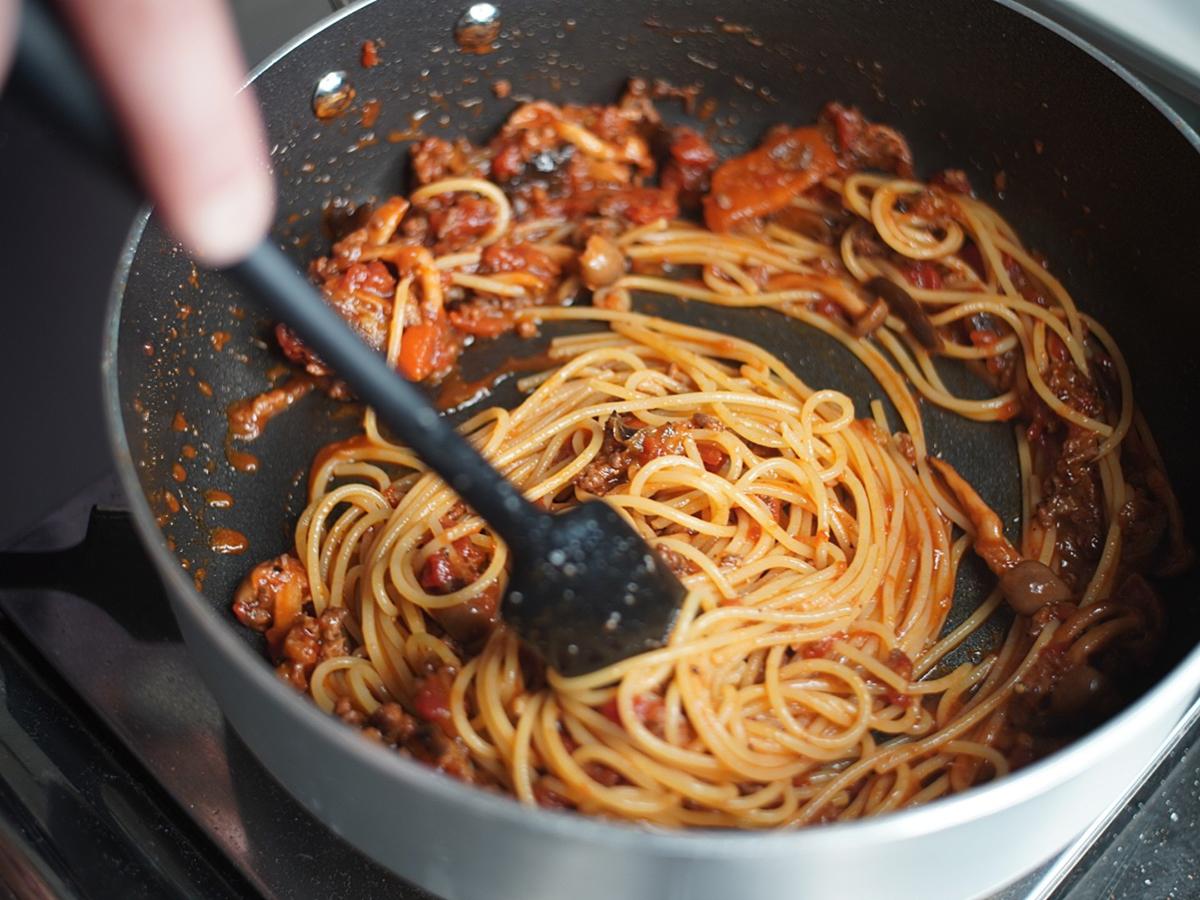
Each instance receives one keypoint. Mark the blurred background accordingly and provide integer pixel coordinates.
(64, 227)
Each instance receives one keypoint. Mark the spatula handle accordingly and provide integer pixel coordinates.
(269, 274)
(48, 71)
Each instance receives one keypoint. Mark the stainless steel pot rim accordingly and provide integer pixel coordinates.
(1179, 686)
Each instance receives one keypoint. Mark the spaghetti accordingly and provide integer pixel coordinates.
(806, 679)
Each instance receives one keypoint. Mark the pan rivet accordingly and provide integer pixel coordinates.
(480, 14)
(333, 95)
(478, 27)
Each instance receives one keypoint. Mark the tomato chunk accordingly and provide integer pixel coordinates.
(763, 181)
(426, 348)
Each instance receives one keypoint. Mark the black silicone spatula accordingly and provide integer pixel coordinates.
(585, 590)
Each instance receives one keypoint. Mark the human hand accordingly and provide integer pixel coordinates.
(172, 70)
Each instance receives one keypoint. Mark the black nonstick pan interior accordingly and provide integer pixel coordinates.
(1098, 181)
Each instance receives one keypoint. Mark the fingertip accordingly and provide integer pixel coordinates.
(8, 34)
(173, 71)
(226, 204)
(229, 220)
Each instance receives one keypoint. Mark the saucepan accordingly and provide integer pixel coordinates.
(1095, 172)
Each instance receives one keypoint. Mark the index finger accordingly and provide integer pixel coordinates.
(173, 72)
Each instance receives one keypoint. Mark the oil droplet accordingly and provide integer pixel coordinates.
(240, 460)
(218, 499)
(228, 541)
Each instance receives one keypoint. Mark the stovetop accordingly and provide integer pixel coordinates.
(120, 778)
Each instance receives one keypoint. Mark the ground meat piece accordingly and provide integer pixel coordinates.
(446, 754)
(1071, 492)
(310, 640)
(335, 639)
(1152, 539)
(300, 652)
(435, 158)
(953, 180)
(663, 440)
(689, 165)
(529, 131)
(1030, 705)
(520, 257)
(620, 450)
(1032, 289)
(865, 241)
(609, 467)
(899, 662)
(1143, 525)
(638, 101)
(458, 220)
(488, 316)
(256, 598)
(547, 798)
(394, 724)
(603, 473)
(341, 277)
(453, 568)
(622, 127)
(864, 145)
(361, 294)
(345, 710)
(679, 564)
(984, 330)
(638, 205)
(297, 351)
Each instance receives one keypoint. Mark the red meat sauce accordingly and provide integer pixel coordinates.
(627, 446)
(609, 168)
(274, 600)
(605, 168)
